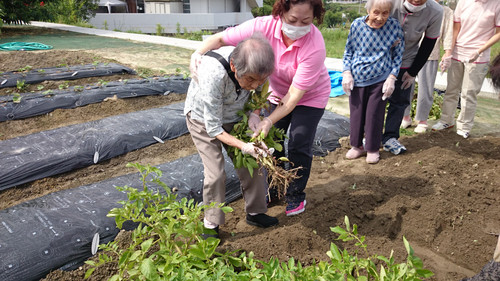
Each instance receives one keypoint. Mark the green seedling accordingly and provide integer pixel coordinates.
(40, 87)
(102, 83)
(26, 68)
(16, 98)
(64, 85)
(78, 88)
(21, 85)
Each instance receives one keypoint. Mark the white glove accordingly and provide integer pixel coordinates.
(408, 80)
(253, 121)
(250, 148)
(263, 126)
(388, 87)
(474, 57)
(347, 82)
(445, 63)
(193, 65)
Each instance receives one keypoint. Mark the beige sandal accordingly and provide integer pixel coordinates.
(354, 153)
(372, 157)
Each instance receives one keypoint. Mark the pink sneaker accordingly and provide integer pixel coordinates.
(354, 153)
(293, 209)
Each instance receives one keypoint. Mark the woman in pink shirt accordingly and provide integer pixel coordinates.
(300, 84)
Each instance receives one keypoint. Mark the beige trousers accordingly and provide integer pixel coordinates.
(254, 189)
(464, 79)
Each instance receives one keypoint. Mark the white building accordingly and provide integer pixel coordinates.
(173, 15)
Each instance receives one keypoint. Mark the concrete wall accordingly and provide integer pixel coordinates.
(223, 6)
(147, 23)
(162, 7)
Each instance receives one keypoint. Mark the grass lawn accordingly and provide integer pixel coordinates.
(335, 40)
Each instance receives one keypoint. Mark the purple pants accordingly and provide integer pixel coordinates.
(367, 116)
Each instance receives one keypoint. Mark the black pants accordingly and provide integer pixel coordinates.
(398, 102)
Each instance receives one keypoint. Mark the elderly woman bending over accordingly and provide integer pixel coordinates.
(211, 107)
(372, 58)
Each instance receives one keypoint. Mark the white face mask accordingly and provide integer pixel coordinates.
(294, 32)
(412, 8)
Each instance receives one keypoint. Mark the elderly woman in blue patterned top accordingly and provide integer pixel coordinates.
(372, 58)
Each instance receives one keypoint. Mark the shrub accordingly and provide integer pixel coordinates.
(23, 11)
(435, 112)
(63, 11)
(166, 242)
(166, 246)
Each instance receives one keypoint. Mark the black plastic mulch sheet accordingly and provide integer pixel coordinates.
(9, 79)
(331, 128)
(28, 158)
(56, 231)
(33, 104)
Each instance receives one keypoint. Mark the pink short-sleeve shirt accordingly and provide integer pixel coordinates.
(302, 64)
(478, 20)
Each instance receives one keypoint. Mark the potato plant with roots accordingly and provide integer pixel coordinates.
(278, 177)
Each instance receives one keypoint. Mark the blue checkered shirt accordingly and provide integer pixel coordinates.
(372, 54)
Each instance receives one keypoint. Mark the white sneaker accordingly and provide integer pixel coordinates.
(421, 128)
(394, 146)
(405, 123)
(441, 126)
(464, 134)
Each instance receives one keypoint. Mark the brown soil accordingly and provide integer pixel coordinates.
(442, 195)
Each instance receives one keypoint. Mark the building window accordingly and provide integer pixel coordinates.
(186, 7)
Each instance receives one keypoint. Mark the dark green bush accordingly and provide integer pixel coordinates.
(62, 11)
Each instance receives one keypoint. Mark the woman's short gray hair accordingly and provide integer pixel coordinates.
(253, 55)
(370, 3)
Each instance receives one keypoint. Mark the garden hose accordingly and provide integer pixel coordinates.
(24, 46)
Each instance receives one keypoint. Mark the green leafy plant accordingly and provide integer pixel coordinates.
(178, 28)
(159, 29)
(167, 243)
(40, 87)
(353, 267)
(144, 72)
(102, 83)
(26, 68)
(16, 98)
(75, 12)
(21, 85)
(278, 177)
(2, 14)
(185, 74)
(435, 112)
(64, 85)
(78, 88)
